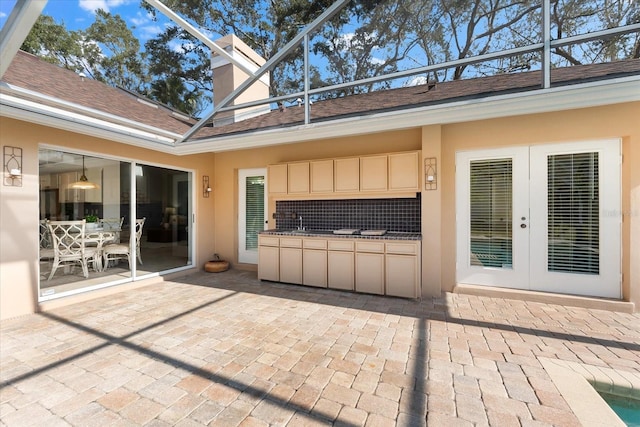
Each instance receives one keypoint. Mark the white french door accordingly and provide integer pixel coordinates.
(544, 218)
(252, 212)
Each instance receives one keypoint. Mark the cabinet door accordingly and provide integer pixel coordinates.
(314, 268)
(277, 179)
(373, 173)
(403, 171)
(291, 265)
(347, 175)
(402, 275)
(340, 270)
(298, 182)
(370, 273)
(67, 194)
(269, 263)
(94, 175)
(321, 176)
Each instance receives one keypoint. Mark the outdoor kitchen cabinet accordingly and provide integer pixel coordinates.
(340, 264)
(268, 258)
(379, 175)
(402, 269)
(321, 172)
(373, 173)
(298, 181)
(291, 260)
(314, 262)
(404, 171)
(277, 176)
(347, 175)
(370, 261)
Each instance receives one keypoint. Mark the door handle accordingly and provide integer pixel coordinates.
(523, 225)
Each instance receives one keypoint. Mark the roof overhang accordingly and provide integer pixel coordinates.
(585, 95)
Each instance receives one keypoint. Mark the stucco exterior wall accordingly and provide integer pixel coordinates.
(217, 216)
(227, 165)
(19, 206)
(619, 121)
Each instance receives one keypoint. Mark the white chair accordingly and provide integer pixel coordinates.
(69, 247)
(46, 245)
(120, 251)
(114, 224)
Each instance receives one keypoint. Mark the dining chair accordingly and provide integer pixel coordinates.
(118, 251)
(69, 246)
(114, 224)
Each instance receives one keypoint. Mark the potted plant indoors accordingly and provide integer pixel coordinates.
(92, 222)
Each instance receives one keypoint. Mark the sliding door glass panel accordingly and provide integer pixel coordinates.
(573, 219)
(491, 213)
(163, 202)
(76, 187)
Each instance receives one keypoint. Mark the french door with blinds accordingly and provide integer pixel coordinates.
(252, 204)
(544, 218)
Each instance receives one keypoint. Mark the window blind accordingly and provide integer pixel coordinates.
(573, 217)
(254, 210)
(491, 212)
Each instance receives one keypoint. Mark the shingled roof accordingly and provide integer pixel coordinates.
(423, 95)
(29, 72)
(33, 74)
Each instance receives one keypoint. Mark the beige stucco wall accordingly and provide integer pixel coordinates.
(19, 206)
(216, 217)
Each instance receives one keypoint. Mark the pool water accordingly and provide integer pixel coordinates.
(626, 408)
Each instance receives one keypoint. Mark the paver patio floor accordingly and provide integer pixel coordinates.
(225, 349)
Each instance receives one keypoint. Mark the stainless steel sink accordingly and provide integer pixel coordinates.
(310, 231)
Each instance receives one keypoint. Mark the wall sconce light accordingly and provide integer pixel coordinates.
(12, 161)
(206, 188)
(430, 173)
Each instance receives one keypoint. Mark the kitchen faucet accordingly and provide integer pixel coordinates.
(300, 227)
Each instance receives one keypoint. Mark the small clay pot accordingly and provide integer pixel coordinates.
(216, 265)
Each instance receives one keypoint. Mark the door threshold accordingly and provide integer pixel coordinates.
(545, 297)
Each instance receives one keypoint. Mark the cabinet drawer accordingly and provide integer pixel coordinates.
(377, 247)
(340, 245)
(268, 241)
(402, 248)
(314, 244)
(289, 242)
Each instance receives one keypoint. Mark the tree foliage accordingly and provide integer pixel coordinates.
(366, 39)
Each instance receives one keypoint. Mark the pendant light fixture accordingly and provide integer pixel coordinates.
(84, 183)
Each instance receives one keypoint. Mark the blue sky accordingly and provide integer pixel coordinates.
(79, 14)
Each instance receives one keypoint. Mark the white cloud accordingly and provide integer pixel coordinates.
(416, 81)
(3, 15)
(106, 5)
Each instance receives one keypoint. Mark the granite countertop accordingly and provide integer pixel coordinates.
(389, 235)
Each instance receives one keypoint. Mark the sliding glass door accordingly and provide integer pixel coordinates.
(138, 220)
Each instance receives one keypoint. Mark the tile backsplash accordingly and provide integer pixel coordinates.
(364, 214)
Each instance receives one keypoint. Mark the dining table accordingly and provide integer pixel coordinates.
(98, 237)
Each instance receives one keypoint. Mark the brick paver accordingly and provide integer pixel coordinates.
(226, 349)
